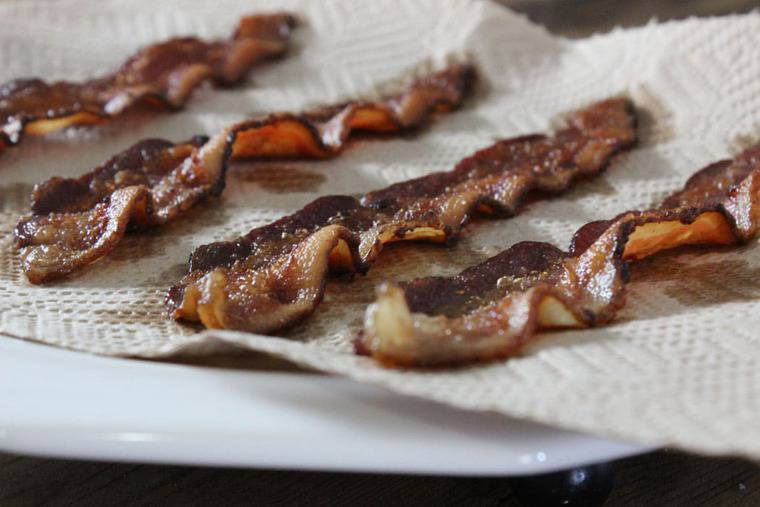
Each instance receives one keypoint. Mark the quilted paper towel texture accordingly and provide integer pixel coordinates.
(678, 367)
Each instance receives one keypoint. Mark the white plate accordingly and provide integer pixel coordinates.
(67, 404)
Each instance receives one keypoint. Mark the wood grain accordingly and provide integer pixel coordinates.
(662, 478)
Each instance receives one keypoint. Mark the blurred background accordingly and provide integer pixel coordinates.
(579, 18)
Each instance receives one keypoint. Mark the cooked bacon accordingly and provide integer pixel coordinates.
(276, 274)
(173, 178)
(78, 221)
(57, 244)
(161, 75)
(490, 311)
(323, 132)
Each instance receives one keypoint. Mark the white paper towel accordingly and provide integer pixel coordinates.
(678, 367)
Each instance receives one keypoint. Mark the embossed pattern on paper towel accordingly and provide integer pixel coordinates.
(679, 367)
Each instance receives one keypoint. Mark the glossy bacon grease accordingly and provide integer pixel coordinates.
(275, 275)
(491, 310)
(162, 75)
(76, 221)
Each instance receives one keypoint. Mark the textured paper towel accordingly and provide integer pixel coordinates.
(678, 367)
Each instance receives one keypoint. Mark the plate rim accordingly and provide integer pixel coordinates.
(104, 440)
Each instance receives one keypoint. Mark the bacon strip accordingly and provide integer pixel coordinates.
(275, 275)
(162, 75)
(70, 227)
(491, 310)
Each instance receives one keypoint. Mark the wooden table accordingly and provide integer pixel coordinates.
(660, 478)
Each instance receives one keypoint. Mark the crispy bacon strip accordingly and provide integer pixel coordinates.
(162, 75)
(70, 227)
(275, 275)
(491, 310)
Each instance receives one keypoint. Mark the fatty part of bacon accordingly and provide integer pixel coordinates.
(275, 275)
(161, 75)
(174, 178)
(490, 311)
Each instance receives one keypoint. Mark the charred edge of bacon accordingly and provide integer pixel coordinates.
(175, 177)
(275, 275)
(54, 106)
(490, 311)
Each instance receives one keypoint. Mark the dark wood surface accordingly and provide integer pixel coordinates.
(580, 18)
(660, 478)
